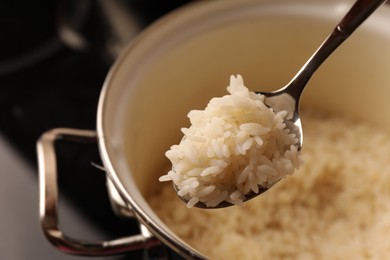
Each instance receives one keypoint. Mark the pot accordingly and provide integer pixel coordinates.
(185, 59)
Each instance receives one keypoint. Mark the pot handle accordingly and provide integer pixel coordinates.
(48, 200)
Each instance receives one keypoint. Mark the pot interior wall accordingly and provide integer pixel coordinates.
(267, 51)
(179, 66)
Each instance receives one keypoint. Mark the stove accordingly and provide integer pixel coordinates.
(54, 57)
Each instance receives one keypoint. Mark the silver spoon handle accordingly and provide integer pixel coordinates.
(355, 17)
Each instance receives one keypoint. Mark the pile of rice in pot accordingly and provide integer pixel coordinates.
(336, 206)
(233, 147)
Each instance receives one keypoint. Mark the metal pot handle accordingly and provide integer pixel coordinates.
(48, 200)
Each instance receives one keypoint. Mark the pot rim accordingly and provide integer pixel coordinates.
(187, 14)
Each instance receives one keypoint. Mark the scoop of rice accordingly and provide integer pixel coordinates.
(233, 147)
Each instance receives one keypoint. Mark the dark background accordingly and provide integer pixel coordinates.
(48, 80)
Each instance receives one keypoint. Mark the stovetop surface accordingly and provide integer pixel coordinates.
(45, 84)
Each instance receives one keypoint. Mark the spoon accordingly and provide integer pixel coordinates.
(287, 98)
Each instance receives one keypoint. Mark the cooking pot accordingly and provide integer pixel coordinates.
(185, 59)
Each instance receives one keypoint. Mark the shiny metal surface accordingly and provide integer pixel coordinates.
(287, 98)
(115, 95)
(113, 28)
(118, 204)
(21, 236)
(48, 199)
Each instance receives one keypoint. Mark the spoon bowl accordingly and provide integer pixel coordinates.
(288, 97)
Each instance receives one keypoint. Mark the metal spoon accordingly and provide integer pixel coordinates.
(287, 98)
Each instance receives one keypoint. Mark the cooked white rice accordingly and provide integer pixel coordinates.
(233, 147)
(336, 206)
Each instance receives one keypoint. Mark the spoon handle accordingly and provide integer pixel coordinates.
(355, 17)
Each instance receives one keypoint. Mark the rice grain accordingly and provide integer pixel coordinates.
(238, 131)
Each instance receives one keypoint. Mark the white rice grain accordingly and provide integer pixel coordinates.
(226, 145)
(336, 206)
